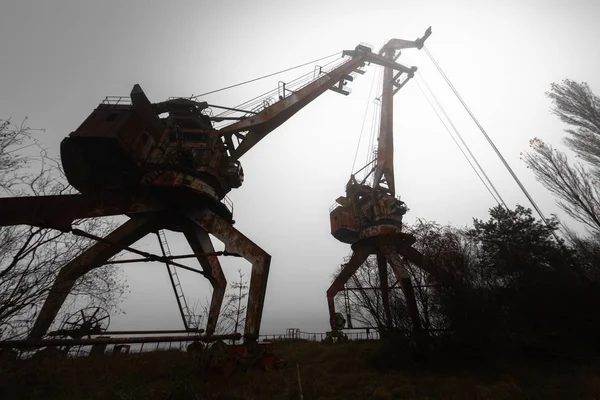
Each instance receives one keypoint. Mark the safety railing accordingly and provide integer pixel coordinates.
(149, 347)
(117, 100)
(228, 203)
(334, 206)
(319, 336)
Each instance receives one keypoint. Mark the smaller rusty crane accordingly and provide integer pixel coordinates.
(369, 216)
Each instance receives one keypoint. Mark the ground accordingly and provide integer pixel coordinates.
(341, 371)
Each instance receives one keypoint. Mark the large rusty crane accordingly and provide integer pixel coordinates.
(165, 166)
(369, 216)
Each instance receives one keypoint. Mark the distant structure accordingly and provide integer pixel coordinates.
(369, 216)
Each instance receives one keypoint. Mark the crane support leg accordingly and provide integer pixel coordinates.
(409, 293)
(236, 242)
(385, 289)
(359, 256)
(415, 257)
(200, 243)
(94, 257)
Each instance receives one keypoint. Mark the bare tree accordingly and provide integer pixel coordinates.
(236, 312)
(31, 257)
(576, 187)
(576, 105)
(233, 310)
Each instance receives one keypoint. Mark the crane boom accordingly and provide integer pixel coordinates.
(391, 84)
(259, 125)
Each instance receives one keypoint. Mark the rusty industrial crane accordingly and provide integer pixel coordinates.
(369, 216)
(165, 166)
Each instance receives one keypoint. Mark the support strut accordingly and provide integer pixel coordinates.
(200, 244)
(359, 256)
(94, 257)
(236, 242)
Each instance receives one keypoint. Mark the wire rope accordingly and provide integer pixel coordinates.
(457, 133)
(265, 76)
(374, 124)
(363, 123)
(496, 150)
(459, 147)
(258, 99)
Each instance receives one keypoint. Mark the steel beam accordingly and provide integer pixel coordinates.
(33, 343)
(60, 211)
(385, 288)
(157, 332)
(385, 150)
(259, 125)
(202, 246)
(358, 257)
(406, 285)
(414, 256)
(236, 242)
(94, 257)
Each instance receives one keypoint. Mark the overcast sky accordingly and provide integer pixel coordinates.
(59, 59)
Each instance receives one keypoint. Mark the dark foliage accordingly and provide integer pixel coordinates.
(525, 291)
(509, 286)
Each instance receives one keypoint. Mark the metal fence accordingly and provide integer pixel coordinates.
(318, 337)
(138, 348)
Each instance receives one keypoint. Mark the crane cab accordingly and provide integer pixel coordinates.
(343, 226)
(105, 150)
(127, 142)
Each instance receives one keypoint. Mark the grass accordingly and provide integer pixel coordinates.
(342, 371)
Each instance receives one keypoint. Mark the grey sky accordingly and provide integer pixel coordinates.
(59, 59)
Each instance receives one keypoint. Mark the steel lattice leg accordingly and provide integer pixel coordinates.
(407, 287)
(201, 244)
(236, 242)
(94, 257)
(385, 289)
(358, 257)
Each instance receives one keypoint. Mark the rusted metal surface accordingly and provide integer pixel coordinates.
(380, 230)
(147, 113)
(177, 257)
(226, 359)
(385, 289)
(236, 242)
(259, 125)
(370, 217)
(405, 283)
(171, 153)
(94, 257)
(399, 44)
(201, 244)
(149, 256)
(61, 210)
(145, 332)
(358, 257)
(385, 149)
(31, 343)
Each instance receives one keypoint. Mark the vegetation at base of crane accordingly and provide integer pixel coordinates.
(339, 371)
(503, 285)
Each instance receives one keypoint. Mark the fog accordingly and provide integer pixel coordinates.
(59, 59)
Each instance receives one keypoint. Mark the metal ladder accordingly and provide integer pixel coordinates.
(190, 321)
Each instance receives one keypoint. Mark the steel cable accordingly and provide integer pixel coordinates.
(496, 150)
(461, 149)
(265, 76)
